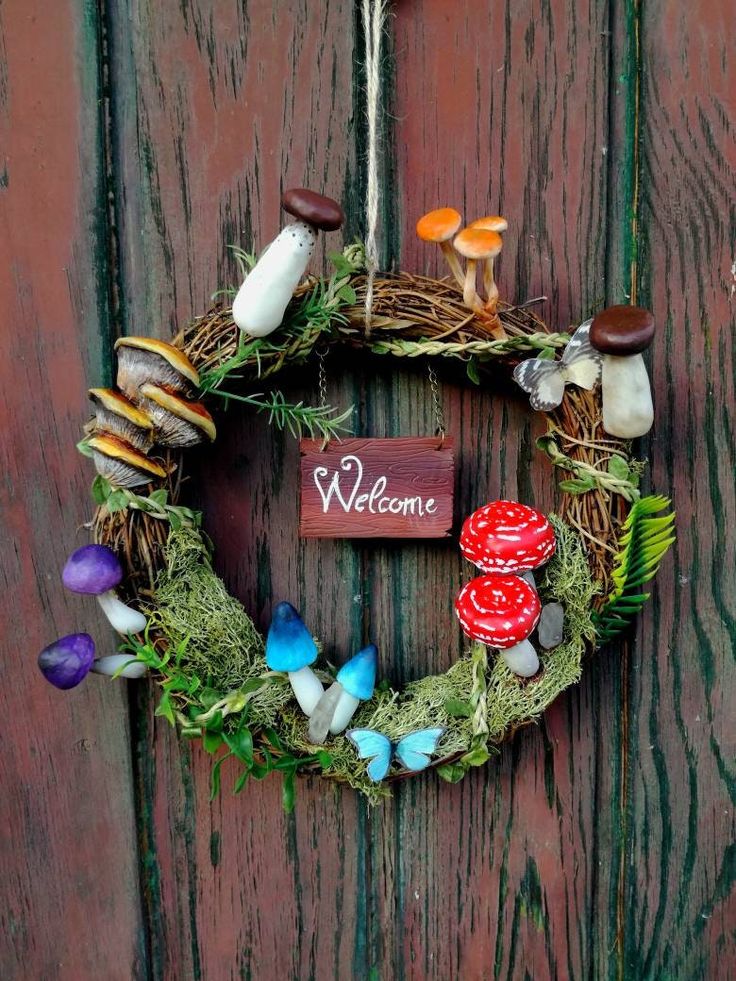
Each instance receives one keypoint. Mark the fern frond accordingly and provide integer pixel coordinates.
(642, 546)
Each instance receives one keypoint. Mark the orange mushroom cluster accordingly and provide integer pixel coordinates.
(479, 243)
(152, 407)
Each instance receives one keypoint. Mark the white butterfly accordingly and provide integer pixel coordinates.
(546, 380)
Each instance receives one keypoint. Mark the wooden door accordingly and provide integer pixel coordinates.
(136, 141)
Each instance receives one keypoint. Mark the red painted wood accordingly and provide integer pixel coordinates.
(376, 488)
(68, 854)
(598, 843)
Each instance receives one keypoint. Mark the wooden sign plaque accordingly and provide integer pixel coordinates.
(377, 488)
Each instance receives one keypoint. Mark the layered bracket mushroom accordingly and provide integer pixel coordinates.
(290, 648)
(260, 303)
(620, 334)
(508, 541)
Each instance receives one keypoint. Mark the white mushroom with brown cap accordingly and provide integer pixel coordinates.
(146, 359)
(621, 333)
(261, 301)
(117, 415)
(177, 421)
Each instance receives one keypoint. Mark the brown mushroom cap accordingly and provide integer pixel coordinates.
(192, 414)
(119, 405)
(477, 243)
(439, 225)
(178, 361)
(491, 223)
(622, 330)
(314, 209)
(121, 463)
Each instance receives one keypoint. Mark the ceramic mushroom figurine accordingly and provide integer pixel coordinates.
(96, 571)
(291, 648)
(177, 421)
(497, 224)
(354, 684)
(440, 226)
(507, 537)
(123, 665)
(501, 611)
(66, 662)
(261, 301)
(621, 333)
(121, 463)
(146, 359)
(118, 416)
(480, 245)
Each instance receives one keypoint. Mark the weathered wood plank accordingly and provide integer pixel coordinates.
(680, 903)
(499, 876)
(68, 863)
(217, 107)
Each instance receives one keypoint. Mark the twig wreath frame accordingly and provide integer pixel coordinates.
(199, 643)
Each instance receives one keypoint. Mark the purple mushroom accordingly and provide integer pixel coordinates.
(95, 570)
(68, 660)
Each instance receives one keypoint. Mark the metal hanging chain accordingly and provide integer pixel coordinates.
(439, 412)
(322, 385)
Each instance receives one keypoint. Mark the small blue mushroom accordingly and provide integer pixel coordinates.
(291, 648)
(354, 684)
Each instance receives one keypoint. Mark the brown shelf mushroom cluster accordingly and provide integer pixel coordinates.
(153, 406)
(479, 243)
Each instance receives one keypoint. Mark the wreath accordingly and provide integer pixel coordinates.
(278, 705)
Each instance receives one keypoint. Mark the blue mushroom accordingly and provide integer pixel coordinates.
(354, 684)
(291, 648)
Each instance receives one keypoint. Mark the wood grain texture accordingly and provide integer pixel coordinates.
(679, 901)
(598, 844)
(68, 857)
(376, 488)
(218, 106)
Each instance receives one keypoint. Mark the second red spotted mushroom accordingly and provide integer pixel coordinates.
(504, 539)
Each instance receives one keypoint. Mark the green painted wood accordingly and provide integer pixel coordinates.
(68, 854)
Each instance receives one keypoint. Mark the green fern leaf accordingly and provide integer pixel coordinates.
(645, 540)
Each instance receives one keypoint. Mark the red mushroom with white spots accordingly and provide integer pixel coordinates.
(507, 537)
(501, 611)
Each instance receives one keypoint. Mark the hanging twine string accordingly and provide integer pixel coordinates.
(374, 18)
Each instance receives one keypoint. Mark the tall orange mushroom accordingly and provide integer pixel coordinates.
(491, 223)
(439, 226)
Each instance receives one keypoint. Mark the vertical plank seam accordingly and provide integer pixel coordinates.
(114, 293)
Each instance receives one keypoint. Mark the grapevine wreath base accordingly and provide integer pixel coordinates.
(202, 647)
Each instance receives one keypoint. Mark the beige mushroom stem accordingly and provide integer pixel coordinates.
(453, 262)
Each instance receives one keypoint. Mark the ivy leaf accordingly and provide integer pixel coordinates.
(165, 709)
(578, 485)
(84, 448)
(241, 745)
(215, 778)
(159, 497)
(347, 295)
(458, 709)
(471, 369)
(618, 468)
(288, 792)
(116, 501)
(241, 782)
(101, 489)
(211, 741)
(451, 772)
(174, 521)
(476, 757)
(546, 444)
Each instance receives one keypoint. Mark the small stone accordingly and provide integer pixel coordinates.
(522, 659)
(551, 622)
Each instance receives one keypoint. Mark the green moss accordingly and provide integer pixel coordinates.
(475, 708)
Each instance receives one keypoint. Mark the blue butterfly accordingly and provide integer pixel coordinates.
(413, 751)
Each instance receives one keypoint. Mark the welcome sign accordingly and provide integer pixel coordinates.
(377, 488)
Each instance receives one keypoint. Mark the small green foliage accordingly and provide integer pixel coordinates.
(642, 546)
(621, 476)
(84, 448)
(319, 421)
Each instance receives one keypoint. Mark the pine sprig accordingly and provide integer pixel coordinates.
(644, 543)
(316, 420)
